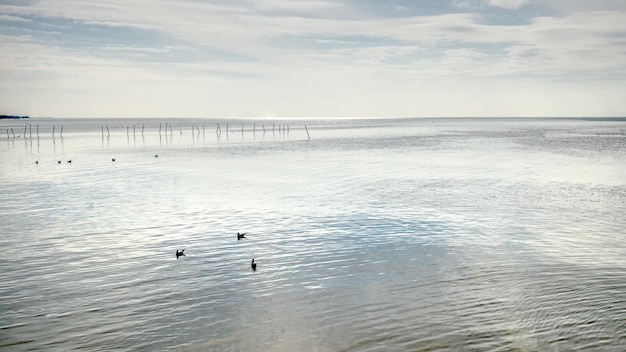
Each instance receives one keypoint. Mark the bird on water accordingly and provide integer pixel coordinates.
(253, 265)
(180, 253)
(241, 235)
(113, 159)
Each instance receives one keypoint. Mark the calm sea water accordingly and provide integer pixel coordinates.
(370, 235)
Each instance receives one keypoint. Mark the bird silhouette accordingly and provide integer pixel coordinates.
(180, 253)
(240, 236)
(253, 265)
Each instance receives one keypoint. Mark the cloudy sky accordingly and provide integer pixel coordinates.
(283, 58)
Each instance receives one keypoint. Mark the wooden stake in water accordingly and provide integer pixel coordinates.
(37, 131)
(108, 132)
(53, 127)
(61, 131)
(307, 132)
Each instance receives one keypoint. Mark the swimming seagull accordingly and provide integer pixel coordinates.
(240, 236)
(253, 265)
(180, 253)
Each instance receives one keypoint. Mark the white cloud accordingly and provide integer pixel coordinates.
(12, 18)
(310, 58)
(508, 4)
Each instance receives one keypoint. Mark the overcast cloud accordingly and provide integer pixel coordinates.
(313, 58)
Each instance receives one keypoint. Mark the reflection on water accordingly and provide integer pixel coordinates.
(374, 235)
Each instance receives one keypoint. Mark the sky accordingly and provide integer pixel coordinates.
(313, 58)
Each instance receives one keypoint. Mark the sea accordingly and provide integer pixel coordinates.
(388, 234)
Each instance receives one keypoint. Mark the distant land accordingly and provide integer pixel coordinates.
(12, 117)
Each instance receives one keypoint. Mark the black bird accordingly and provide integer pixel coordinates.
(58, 162)
(240, 236)
(37, 162)
(113, 159)
(180, 253)
(253, 265)
(156, 155)
(69, 161)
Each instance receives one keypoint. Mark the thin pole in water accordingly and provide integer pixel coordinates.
(307, 132)
(108, 132)
(61, 131)
(53, 128)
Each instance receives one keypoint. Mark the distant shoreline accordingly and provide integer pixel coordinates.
(13, 117)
